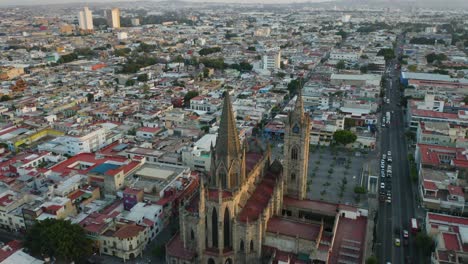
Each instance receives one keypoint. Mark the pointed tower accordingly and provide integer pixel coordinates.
(226, 165)
(296, 151)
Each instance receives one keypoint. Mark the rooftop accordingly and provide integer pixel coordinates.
(287, 227)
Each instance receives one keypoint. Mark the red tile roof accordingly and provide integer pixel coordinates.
(316, 206)
(433, 114)
(75, 195)
(149, 129)
(455, 190)
(430, 186)
(259, 199)
(451, 241)
(350, 233)
(293, 228)
(65, 166)
(6, 200)
(448, 219)
(10, 248)
(128, 231)
(175, 248)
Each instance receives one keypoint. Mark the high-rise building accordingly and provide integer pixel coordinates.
(85, 19)
(272, 60)
(113, 18)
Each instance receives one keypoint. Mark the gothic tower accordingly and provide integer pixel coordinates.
(296, 151)
(227, 157)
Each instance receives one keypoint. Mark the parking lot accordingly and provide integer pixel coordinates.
(334, 173)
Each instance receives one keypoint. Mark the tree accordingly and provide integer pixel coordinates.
(188, 96)
(294, 86)
(58, 238)
(340, 65)
(142, 77)
(252, 48)
(344, 137)
(412, 68)
(424, 242)
(388, 54)
(465, 100)
(90, 97)
(432, 57)
(371, 260)
(129, 82)
(206, 51)
(5, 98)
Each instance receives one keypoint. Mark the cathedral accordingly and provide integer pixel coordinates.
(251, 209)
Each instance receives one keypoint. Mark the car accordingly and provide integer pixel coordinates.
(405, 233)
(389, 153)
(382, 185)
(384, 156)
(397, 242)
(389, 200)
(389, 159)
(382, 165)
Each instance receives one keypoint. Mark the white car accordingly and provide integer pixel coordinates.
(384, 156)
(382, 185)
(389, 153)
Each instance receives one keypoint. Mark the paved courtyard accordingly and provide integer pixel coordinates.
(334, 173)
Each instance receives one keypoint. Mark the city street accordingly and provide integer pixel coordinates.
(395, 217)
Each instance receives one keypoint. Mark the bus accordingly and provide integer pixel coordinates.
(414, 225)
(388, 115)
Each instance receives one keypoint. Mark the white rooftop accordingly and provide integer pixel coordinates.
(20, 257)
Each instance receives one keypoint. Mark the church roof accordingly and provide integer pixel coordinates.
(176, 248)
(259, 199)
(227, 142)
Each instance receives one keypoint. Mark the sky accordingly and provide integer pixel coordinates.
(38, 2)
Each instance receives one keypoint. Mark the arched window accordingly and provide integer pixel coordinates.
(211, 261)
(222, 178)
(293, 176)
(227, 229)
(214, 228)
(251, 246)
(241, 247)
(192, 235)
(294, 153)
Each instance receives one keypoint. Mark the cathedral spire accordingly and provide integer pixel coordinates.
(299, 106)
(227, 142)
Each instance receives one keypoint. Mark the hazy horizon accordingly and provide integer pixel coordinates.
(48, 2)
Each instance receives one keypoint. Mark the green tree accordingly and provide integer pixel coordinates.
(371, 260)
(130, 82)
(58, 238)
(252, 48)
(188, 96)
(5, 98)
(412, 68)
(340, 65)
(207, 51)
(424, 242)
(432, 57)
(90, 97)
(465, 100)
(142, 77)
(206, 73)
(295, 85)
(388, 54)
(359, 190)
(344, 137)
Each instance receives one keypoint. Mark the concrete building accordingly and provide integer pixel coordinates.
(85, 19)
(113, 18)
(271, 60)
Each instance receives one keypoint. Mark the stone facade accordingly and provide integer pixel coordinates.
(238, 214)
